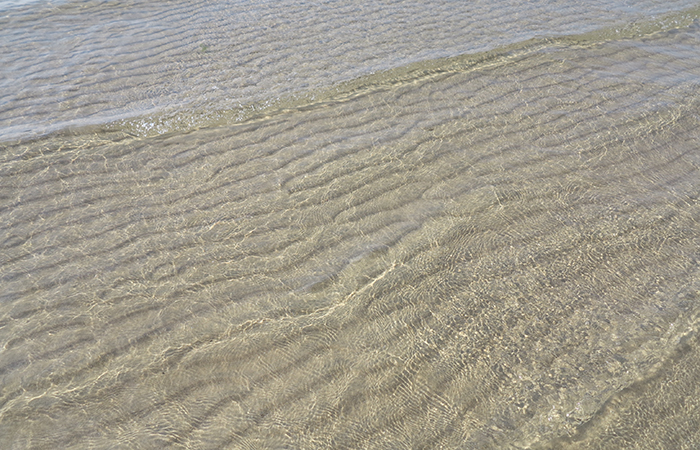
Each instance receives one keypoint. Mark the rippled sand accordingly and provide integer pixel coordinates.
(494, 250)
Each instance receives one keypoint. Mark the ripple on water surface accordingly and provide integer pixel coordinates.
(492, 250)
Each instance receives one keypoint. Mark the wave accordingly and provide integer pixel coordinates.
(185, 121)
(180, 79)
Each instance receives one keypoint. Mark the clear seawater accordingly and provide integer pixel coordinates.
(300, 224)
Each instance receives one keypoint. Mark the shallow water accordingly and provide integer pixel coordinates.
(445, 234)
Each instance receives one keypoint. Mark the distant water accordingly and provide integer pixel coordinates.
(158, 67)
(349, 225)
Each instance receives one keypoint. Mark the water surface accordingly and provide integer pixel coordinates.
(349, 226)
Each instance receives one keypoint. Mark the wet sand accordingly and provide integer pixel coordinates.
(499, 250)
